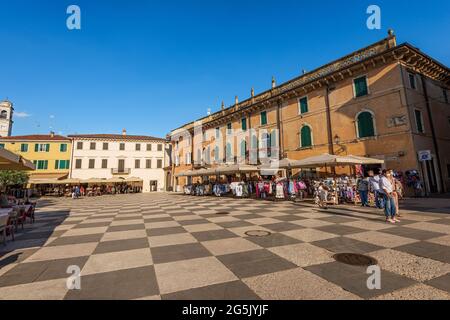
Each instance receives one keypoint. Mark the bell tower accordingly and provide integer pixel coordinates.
(6, 114)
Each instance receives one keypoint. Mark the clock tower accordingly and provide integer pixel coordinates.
(6, 114)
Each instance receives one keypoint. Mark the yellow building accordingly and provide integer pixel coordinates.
(50, 153)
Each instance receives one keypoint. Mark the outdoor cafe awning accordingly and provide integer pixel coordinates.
(12, 161)
(49, 178)
(333, 160)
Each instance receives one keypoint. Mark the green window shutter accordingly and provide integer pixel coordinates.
(67, 164)
(305, 135)
(419, 124)
(244, 124)
(263, 118)
(48, 147)
(361, 87)
(46, 164)
(36, 147)
(63, 147)
(56, 164)
(304, 105)
(365, 125)
(243, 148)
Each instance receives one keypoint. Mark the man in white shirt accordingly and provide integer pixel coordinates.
(374, 181)
(389, 201)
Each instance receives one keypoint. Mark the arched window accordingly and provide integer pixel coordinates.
(305, 137)
(4, 114)
(243, 148)
(216, 153)
(228, 152)
(365, 123)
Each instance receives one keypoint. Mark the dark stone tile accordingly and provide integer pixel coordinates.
(117, 285)
(123, 218)
(444, 221)
(213, 235)
(337, 219)
(39, 235)
(179, 252)
(427, 250)
(128, 227)
(340, 229)
(164, 219)
(249, 216)
(40, 271)
(442, 283)
(346, 245)
(290, 217)
(94, 217)
(412, 233)
(165, 231)
(282, 226)
(254, 263)
(121, 245)
(179, 214)
(193, 222)
(16, 256)
(354, 279)
(234, 290)
(92, 225)
(62, 241)
(273, 240)
(234, 224)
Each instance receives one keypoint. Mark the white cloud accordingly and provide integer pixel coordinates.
(22, 114)
(52, 116)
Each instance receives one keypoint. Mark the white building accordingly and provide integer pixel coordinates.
(106, 156)
(6, 115)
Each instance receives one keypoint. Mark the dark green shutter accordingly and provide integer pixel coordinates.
(67, 164)
(263, 118)
(305, 134)
(56, 164)
(48, 147)
(244, 124)
(36, 147)
(303, 105)
(243, 148)
(419, 121)
(360, 87)
(365, 125)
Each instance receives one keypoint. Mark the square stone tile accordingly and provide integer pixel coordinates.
(312, 223)
(42, 290)
(444, 240)
(62, 252)
(412, 233)
(230, 245)
(241, 231)
(253, 263)
(179, 252)
(84, 231)
(202, 227)
(427, 250)
(62, 241)
(165, 231)
(304, 254)
(171, 239)
(121, 245)
(262, 221)
(338, 219)
(340, 229)
(442, 283)
(416, 292)
(381, 239)
(418, 268)
(189, 274)
(369, 225)
(234, 224)
(162, 224)
(309, 235)
(296, 284)
(290, 217)
(126, 222)
(129, 227)
(213, 235)
(282, 226)
(428, 226)
(233, 290)
(124, 235)
(117, 285)
(194, 222)
(273, 240)
(346, 245)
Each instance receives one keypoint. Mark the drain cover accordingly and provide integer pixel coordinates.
(222, 213)
(355, 259)
(258, 233)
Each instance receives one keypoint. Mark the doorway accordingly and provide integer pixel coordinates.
(153, 186)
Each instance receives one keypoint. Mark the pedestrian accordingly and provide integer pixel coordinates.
(363, 190)
(374, 186)
(323, 195)
(398, 192)
(389, 200)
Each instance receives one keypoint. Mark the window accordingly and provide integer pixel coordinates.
(366, 126)
(360, 86)
(137, 164)
(92, 146)
(2, 146)
(3, 114)
(303, 105)
(122, 146)
(78, 163)
(305, 137)
(91, 163)
(80, 145)
(159, 163)
(138, 147)
(63, 147)
(149, 147)
(263, 118)
(104, 163)
(217, 133)
(229, 128)
(244, 124)
(24, 147)
(42, 147)
(41, 164)
(160, 147)
(228, 152)
(444, 93)
(412, 81)
(148, 163)
(216, 154)
(105, 145)
(188, 158)
(243, 148)
(62, 164)
(419, 121)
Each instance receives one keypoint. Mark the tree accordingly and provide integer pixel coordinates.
(12, 178)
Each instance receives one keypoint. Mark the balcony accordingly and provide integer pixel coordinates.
(120, 171)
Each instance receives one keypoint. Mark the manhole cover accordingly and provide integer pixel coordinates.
(222, 213)
(258, 233)
(355, 259)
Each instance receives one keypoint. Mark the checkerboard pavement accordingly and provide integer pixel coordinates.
(167, 246)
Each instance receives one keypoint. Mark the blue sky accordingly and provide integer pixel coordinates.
(151, 66)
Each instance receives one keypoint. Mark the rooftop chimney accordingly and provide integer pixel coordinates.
(52, 134)
(253, 92)
(274, 84)
(124, 132)
(223, 106)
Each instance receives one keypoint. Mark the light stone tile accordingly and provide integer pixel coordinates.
(262, 221)
(312, 223)
(171, 239)
(124, 235)
(120, 260)
(186, 218)
(304, 254)
(220, 219)
(203, 227)
(240, 231)
(84, 231)
(309, 235)
(416, 292)
(368, 225)
(444, 240)
(231, 245)
(314, 215)
(163, 224)
(62, 252)
(189, 274)
(434, 227)
(411, 266)
(296, 284)
(117, 223)
(44, 290)
(382, 239)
